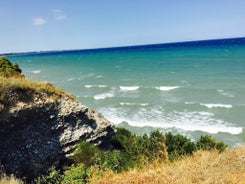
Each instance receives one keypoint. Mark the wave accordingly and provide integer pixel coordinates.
(36, 71)
(71, 79)
(126, 103)
(189, 103)
(210, 106)
(129, 88)
(88, 86)
(182, 121)
(167, 88)
(103, 96)
(222, 92)
(95, 86)
(131, 104)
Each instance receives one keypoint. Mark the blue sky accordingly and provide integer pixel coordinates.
(32, 25)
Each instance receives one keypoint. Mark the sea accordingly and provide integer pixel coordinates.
(192, 88)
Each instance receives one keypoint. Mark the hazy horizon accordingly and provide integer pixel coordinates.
(124, 46)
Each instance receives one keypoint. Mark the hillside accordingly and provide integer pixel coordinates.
(202, 167)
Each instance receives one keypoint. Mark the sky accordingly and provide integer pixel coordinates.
(45, 25)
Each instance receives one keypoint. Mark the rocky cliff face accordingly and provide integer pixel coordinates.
(37, 132)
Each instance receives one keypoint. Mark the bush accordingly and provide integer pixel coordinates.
(208, 143)
(138, 148)
(178, 145)
(113, 160)
(129, 151)
(120, 139)
(85, 153)
(155, 146)
(53, 177)
(76, 174)
(90, 155)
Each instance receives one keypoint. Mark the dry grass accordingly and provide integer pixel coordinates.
(9, 180)
(202, 167)
(35, 86)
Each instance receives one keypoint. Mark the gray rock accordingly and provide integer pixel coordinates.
(40, 132)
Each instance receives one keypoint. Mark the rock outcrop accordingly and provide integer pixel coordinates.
(37, 131)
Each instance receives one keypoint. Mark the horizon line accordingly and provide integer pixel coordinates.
(140, 46)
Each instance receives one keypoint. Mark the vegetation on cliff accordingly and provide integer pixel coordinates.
(130, 151)
(13, 82)
(7, 69)
(149, 159)
(201, 167)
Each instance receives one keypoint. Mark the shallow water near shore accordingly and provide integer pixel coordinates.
(191, 90)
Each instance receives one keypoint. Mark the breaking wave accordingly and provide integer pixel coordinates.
(167, 88)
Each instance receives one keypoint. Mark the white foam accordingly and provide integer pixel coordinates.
(167, 88)
(101, 86)
(126, 103)
(222, 92)
(103, 96)
(183, 121)
(189, 103)
(95, 86)
(36, 71)
(70, 79)
(210, 106)
(129, 88)
(131, 104)
(88, 86)
(144, 104)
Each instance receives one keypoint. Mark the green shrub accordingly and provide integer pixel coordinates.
(178, 145)
(76, 174)
(138, 148)
(113, 160)
(120, 139)
(208, 143)
(53, 177)
(129, 151)
(157, 145)
(85, 153)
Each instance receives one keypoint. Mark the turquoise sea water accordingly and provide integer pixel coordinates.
(191, 89)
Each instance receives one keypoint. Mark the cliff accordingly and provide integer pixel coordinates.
(40, 126)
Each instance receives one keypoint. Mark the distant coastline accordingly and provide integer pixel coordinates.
(210, 42)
